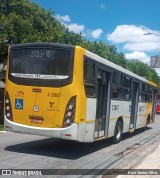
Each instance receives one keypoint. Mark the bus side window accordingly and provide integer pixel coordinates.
(89, 78)
(117, 86)
(146, 93)
(116, 92)
(117, 78)
(126, 94)
(126, 88)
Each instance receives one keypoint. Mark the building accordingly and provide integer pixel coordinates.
(155, 62)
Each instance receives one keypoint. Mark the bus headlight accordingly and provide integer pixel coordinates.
(69, 115)
(8, 109)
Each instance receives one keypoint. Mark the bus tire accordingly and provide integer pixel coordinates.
(148, 120)
(118, 132)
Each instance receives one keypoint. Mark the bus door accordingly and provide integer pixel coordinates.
(134, 105)
(103, 103)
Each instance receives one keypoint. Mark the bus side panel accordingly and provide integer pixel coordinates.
(86, 132)
(141, 116)
(119, 109)
(144, 111)
(91, 109)
(79, 86)
(86, 107)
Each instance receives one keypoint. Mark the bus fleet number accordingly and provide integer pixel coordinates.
(40, 54)
(115, 107)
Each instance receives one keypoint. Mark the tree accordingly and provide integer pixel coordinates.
(143, 70)
(26, 22)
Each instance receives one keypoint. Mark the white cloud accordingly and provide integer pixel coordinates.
(64, 18)
(134, 39)
(79, 28)
(76, 28)
(96, 33)
(124, 33)
(139, 56)
(142, 46)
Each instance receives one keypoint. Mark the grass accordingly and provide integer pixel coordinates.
(1, 127)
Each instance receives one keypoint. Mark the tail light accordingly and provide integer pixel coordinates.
(8, 108)
(69, 114)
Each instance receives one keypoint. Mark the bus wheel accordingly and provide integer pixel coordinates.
(148, 120)
(118, 132)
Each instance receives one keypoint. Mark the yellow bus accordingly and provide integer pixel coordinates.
(67, 92)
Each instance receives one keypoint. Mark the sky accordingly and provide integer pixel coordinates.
(122, 23)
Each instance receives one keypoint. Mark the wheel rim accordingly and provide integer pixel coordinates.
(119, 130)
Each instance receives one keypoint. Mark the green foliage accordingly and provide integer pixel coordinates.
(1, 127)
(72, 38)
(26, 22)
(143, 70)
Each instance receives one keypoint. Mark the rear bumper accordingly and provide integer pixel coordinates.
(69, 133)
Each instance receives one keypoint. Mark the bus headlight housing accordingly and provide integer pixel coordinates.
(8, 109)
(70, 112)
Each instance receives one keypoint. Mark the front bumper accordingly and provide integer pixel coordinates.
(69, 133)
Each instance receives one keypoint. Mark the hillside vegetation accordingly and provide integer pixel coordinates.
(25, 22)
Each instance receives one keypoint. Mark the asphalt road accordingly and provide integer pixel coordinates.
(22, 151)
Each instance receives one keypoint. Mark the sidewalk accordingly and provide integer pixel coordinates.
(2, 132)
(152, 161)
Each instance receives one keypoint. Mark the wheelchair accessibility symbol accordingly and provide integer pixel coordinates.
(19, 103)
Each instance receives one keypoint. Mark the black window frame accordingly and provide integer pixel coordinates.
(89, 78)
(117, 90)
(38, 82)
(118, 79)
(127, 86)
(146, 93)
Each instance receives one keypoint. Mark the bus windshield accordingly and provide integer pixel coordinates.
(40, 63)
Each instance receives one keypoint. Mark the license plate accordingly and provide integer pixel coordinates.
(36, 119)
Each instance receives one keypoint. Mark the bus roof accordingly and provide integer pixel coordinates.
(94, 57)
(117, 67)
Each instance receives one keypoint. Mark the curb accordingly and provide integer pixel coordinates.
(1, 132)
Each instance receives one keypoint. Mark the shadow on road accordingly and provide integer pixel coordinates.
(64, 148)
(137, 132)
(59, 148)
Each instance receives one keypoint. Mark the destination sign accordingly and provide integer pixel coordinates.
(41, 53)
